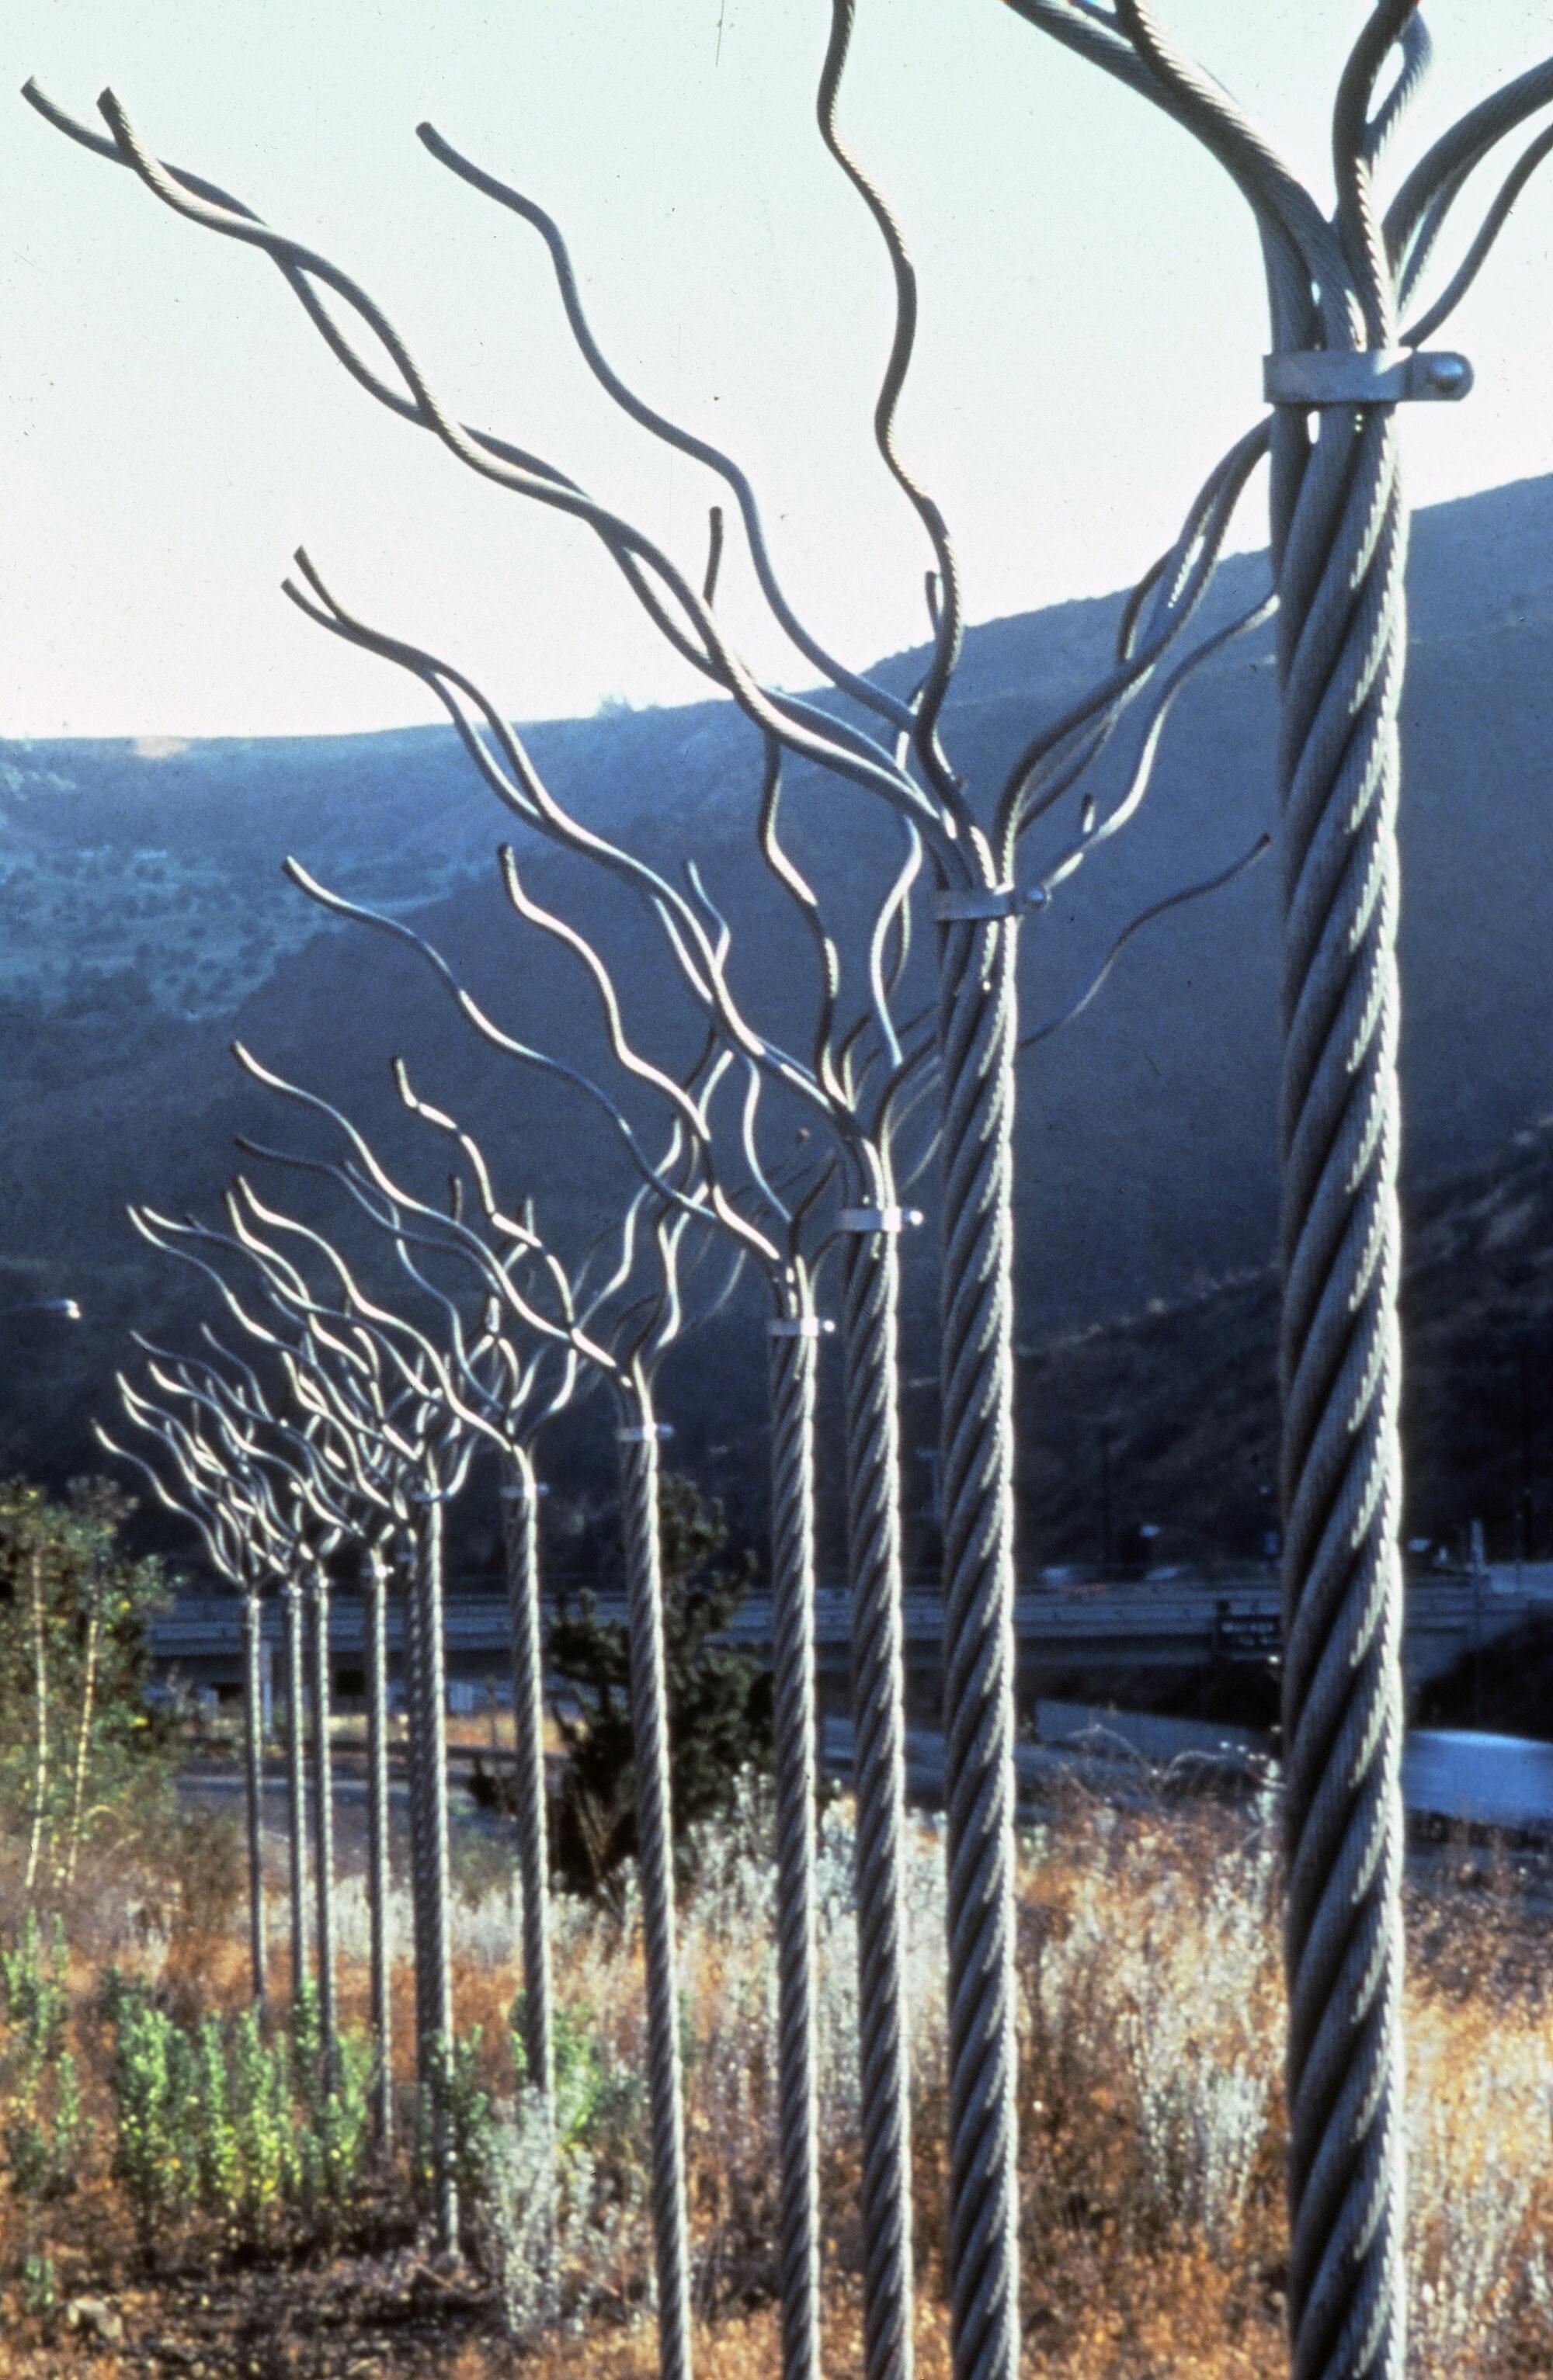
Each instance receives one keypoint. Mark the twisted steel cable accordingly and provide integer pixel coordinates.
(253, 1787)
(871, 1300)
(432, 1785)
(1342, 652)
(324, 1822)
(414, 1762)
(295, 1781)
(379, 1872)
(649, 1701)
(520, 1534)
(794, 1353)
(977, 1033)
(1340, 540)
(1339, 533)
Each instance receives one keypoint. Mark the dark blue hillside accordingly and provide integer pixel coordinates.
(144, 921)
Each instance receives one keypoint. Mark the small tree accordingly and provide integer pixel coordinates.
(74, 1656)
(719, 1702)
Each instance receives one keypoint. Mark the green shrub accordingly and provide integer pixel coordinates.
(78, 1747)
(33, 1984)
(245, 2130)
(42, 2129)
(39, 2287)
(598, 2103)
(719, 1703)
(217, 2157)
(149, 2081)
(260, 2099)
(455, 2088)
(42, 2150)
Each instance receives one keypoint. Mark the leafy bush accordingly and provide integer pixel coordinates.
(214, 2117)
(719, 1703)
(77, 1741)
(42, 2128)
(40, 2286)
(33, 1984)
(598, 2102)
(149, 2156)
(456, 2092)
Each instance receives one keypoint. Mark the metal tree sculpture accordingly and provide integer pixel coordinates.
(394, 1395)
(1338, 291)
(507, 1396)
(301, 1524)
(1322, 551)
(782, 1248)
(856, 1084)
(393, 1441)
(632, 1322)
(334, 1490)
(342, 1476)
(972, 861)
(859, 1082)
(229, 1514)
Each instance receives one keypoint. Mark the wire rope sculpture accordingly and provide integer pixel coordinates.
(302, 1524)
(631, 1319)
(979, 1697)
(861, 1082)
(343, 1502)
(213, 1505)
(368, 1383)
(390, 1396)
(507, 1397)
(1340, 290)
(346, 1492)
(977, 906)
(855, 1084)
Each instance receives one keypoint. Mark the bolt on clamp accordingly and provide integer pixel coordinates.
(878, 1219)
(971, 903)
(1312, 376)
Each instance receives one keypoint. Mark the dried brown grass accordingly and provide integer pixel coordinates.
(1151, 2131)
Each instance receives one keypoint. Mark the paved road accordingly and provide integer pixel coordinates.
(1156, 1621)
(1500, 1782)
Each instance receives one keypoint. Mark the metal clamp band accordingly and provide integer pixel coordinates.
(799, 1325)
(877, 1218)
(969, 903)
(1365, 376)
(639, 1436)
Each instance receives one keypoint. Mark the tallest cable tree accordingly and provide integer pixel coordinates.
(1344, 357)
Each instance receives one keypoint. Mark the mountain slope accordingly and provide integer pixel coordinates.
(1170, 1417)
(146, 924)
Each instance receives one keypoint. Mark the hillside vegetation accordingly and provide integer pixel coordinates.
(147, 923)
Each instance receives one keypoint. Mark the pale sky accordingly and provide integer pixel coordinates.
(1092, 326)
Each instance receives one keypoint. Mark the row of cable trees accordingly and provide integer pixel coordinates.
(349, 1404)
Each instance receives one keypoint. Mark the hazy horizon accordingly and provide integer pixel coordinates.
(154, 744)
(174, 428)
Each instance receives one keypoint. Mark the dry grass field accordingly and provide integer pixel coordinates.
(1151, 2143)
